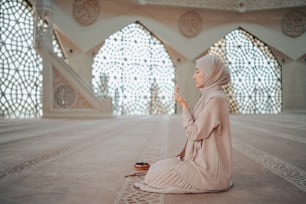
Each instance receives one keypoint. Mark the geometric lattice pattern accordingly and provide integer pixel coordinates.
(134, 68)
(20, 65)
(56, 47)
(255, 86)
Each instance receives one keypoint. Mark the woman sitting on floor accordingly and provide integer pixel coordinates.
(205, 164)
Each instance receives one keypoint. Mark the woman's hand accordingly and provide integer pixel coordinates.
(178, 98)
(181, 155)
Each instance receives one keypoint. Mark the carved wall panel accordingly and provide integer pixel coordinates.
(65, 96)
(86, 12)
(294, 23)
(190, 24)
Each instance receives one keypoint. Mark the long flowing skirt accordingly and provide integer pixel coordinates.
(161, 178)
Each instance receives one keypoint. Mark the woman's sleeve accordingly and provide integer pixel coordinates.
(209, 119)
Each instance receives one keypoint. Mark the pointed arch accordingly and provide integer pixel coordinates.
(134, 68)
(255, 73)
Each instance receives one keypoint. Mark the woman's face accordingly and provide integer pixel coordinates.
(198, 78)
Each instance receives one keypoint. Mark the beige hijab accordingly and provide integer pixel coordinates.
(215, 75)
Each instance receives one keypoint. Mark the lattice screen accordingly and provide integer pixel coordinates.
(134, 68)
(20, 65)
(255, 74)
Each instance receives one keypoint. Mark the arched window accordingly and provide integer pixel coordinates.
(255, 73)
(20, 65)
(134, 68)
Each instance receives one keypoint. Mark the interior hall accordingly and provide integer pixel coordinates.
(87, 91)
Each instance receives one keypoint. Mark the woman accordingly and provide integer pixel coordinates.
(205, 164)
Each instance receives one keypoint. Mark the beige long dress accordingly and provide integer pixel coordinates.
(207, 164)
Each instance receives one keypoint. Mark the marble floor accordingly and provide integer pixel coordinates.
(85, 161)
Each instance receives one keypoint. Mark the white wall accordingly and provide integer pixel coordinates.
(294, 87)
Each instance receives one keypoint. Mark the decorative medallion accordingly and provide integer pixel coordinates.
(294, 23)
(86, 12)
(190, 24)
(64, 96)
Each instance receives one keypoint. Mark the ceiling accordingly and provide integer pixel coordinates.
(230, 5)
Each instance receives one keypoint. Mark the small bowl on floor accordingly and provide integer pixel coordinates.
(141, 166)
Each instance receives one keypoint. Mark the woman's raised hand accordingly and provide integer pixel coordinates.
(178, 98)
